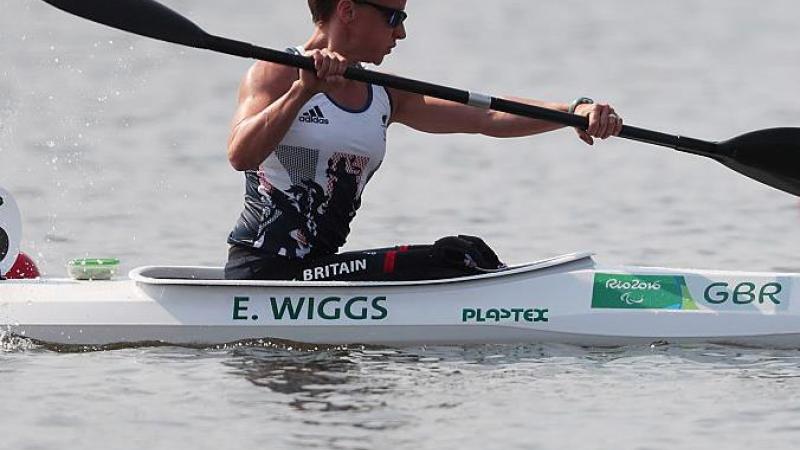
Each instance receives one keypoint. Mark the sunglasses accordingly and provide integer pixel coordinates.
(395, 17)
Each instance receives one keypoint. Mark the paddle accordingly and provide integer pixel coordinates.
(770, 156)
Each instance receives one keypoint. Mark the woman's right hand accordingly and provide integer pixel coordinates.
(330, 67)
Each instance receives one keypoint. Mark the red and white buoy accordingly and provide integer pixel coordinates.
(10, 234)
(24, 268)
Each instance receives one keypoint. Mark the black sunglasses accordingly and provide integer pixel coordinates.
(396, 17)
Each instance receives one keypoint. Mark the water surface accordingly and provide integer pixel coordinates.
(115, 145)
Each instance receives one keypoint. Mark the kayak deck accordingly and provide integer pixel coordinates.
(567, 299)
(214, 276)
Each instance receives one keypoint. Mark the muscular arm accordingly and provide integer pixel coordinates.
(270, 97)
(441, 116)
(433, 115)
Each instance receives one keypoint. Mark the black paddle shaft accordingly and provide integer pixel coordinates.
(751, 155)
(246, 50)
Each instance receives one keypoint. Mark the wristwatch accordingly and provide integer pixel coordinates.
(579, 101)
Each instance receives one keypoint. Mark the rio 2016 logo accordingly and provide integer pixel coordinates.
(630, 291)
(630, 288)
(633, 285)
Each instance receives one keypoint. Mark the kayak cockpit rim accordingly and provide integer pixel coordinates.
(214, 276)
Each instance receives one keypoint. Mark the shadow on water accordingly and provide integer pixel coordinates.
(317, 373)
(324, 378)
(322, 371)
(340, 395)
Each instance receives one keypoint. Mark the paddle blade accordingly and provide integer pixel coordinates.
(143, 17)
(770, 156)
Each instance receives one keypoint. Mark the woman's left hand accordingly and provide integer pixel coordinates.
(603, 122)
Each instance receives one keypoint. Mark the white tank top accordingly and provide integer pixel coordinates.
(325, 132)
(305, 194)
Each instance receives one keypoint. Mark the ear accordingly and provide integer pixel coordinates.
(346, 11)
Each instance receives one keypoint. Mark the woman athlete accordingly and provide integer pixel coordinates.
(308, 143)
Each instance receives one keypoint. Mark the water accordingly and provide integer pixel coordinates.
(114, 145)
(498, 396)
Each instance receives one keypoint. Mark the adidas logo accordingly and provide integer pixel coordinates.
(314, 115)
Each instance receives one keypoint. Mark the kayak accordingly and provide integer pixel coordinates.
(567, 299)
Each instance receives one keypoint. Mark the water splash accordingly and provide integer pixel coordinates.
(11, 343)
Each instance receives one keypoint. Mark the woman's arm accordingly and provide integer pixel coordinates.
(270, 97)
(433, 115)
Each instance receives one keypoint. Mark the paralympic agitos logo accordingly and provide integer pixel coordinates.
(311, 308)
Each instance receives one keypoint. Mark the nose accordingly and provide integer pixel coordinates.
(400, 31)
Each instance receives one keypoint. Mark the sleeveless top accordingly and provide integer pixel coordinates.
(302, 198)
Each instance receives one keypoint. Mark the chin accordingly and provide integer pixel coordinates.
(378, 60)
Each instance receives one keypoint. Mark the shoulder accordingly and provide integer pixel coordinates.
(265, 78)
(403, 102)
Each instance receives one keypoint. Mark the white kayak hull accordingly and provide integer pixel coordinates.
(563, 300)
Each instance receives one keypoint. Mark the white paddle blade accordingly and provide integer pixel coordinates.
(10, 231)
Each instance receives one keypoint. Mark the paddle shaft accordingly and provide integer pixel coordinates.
(770, 156)
(152, 19)
(243, 49)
